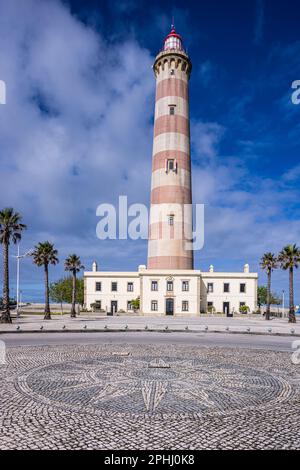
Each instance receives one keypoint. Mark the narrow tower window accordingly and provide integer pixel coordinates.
(171, 219)
(171, 165)
(172, 110)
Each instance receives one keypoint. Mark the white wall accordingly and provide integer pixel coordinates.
(192, 296)
(106, 295)
(234, 297)
(197, 295)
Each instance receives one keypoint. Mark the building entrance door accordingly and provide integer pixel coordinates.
(169, 306)
(226, 308)
(113, 307)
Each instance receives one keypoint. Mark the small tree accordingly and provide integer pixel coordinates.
(262, 295)
(135, 304)
(43, 255)
(244, 309)
(73, 264)
(57, 293)
(61, 290)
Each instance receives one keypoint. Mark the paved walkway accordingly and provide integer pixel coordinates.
(160, 397)
(92, 322)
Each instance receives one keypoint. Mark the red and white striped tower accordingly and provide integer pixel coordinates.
(171, 167)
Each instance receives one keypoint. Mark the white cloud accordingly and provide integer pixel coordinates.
(95, 138)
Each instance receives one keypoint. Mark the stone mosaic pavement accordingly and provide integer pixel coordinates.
(148, 397)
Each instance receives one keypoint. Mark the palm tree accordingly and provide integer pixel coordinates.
(73, 265)
(43, 255)
(10, 230)
(289, 259)
(268, 263)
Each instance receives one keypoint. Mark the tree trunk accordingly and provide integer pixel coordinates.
(268, 296)
(47, 306)
(5, 317)
(292, 316)
(73, 311)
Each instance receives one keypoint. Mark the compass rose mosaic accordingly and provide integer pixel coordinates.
(119, 384)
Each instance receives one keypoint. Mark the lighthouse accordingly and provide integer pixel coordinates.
(170, 285)
(170, 226)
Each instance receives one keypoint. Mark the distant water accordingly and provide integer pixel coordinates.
(29, 292)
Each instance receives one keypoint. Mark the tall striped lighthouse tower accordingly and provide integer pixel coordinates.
(170, 219)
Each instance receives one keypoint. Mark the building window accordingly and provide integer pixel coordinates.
(171, 165)
(172, 72)
(242, 304)
(154, 305)
(154, 285)
(170, 286)
(242, 288)
(172, 110)
(129, 286)
(210, 287)
(226, 287)
(210, 305)
(114, 286)
(185, 286)
(129, 305)
(185, 306)
(97, 304)
(98, 286)
(171, 220)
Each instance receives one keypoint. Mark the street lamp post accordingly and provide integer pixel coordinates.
(19, 257)
(283, 304)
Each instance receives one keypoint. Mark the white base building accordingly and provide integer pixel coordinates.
(163, 292)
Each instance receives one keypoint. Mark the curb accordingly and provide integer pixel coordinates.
(150, 330)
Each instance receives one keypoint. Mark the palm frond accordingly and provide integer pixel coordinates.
(45, 254)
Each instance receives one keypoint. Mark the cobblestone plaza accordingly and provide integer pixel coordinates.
(148, 397)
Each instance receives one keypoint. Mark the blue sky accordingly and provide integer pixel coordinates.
(77, 127)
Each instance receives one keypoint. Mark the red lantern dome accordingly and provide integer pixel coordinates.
(173, 41)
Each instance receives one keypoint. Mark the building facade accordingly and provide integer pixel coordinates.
(165, 292)
(169, 285)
